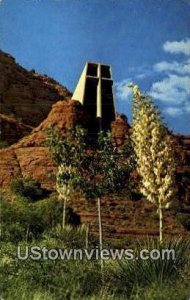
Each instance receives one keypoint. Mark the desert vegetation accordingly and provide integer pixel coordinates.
(81, 279)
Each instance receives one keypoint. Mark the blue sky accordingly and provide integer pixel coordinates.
(145, 41)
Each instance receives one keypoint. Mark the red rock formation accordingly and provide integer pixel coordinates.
(120, 129)
(64, 114)
(25, 95)
(12, 130)
(29, 157)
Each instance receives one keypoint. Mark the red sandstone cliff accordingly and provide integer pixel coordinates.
(29, 157)
(12, 130)
(26, 98)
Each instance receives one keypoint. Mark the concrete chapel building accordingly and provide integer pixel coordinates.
(95, 92)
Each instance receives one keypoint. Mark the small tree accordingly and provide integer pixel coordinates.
(153, 149)
(109, 169)
(68, 153)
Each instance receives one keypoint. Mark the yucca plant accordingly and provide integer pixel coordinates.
(154, 154)
(69, 237)
(129, 274)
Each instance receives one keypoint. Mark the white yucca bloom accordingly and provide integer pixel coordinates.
(63, 187)
(154, 155)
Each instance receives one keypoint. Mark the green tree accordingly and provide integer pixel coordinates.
(108, 172)
(68, 153)
(154, 155)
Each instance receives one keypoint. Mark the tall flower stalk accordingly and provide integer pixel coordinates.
(154, 155)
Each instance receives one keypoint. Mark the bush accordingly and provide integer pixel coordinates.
(20, 220)
(28, 188)
(31, 219)
(125, 274)
(69, 237)
(51, 210)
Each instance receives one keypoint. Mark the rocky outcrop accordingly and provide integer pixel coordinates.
(12, 130)
(30, 157)
(64, 114)
(33, 162)
(27, 96)
(120, 129)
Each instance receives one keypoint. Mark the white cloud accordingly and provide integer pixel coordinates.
(182, 46)
(174, 92)
(172, 89)
(144, 74)
(173, 111)
(177, 67)
(140, 72)
(123, 92)
(182, 67)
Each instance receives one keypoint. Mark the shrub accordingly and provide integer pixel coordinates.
(69, 237)
(20, 220)
(28, 188)
(50, 210)
(125, 274)
(31, 219)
